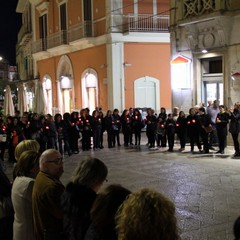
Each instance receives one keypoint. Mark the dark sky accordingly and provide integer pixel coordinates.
(10, 23)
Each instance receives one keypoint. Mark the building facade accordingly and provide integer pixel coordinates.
(89, 53)
(205, 48)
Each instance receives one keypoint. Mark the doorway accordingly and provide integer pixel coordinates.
(212, 79)
(146, 93)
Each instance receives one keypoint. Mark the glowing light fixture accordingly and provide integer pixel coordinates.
(235, 76)
(204, 51)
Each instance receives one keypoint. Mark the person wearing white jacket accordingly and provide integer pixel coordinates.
(26, 170)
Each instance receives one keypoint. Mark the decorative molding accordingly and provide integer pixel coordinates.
(59, 2)
(43, 7)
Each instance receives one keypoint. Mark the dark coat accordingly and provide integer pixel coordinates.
(234, 121)
(47, 212)
(77, 201)
(222, 126)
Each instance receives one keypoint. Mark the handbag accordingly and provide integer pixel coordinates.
(208, 129)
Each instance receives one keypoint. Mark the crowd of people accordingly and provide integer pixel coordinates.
(38, 206)
(203, 127)
(63, 132)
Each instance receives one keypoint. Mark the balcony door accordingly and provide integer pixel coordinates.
(63, 22)
(87, 16)
(43, 31)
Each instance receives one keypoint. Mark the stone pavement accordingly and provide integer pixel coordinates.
(204, 187)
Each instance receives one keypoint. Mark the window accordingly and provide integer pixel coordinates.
(43, 30)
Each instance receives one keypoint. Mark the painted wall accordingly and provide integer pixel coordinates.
(81, 60)
(151, 60)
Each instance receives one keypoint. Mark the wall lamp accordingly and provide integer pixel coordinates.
(125, 64)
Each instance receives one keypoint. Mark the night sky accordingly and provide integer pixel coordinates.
(10, 23)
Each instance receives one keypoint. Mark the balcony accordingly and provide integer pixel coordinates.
(140, 23)
(39, 45)
(57, 39)
(24, 35)
(127, 23)
(145, 23)
(80, 31)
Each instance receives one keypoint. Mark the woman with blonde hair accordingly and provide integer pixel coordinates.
(26, 145)
(147, 214)
(26, 171)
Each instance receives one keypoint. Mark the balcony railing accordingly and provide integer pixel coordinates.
(24, 34)
(57, 39)
(39, 45)
(80, 31)
(145, 23)
(120, 23)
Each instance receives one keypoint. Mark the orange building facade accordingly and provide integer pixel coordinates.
(97, 53)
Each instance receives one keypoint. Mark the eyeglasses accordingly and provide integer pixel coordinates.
(57, 161)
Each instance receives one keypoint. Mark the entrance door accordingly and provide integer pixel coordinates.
(213, 91)
(145, 93)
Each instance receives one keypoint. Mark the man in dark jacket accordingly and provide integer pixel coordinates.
(47, 191)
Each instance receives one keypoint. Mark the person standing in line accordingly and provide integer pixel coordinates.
(234, 115)
(212, 111)
(205, 122)
(66, 133)
(96, 126)
(151, 122)
(170, 129)
(221, 126)
(162, 117)
(108, 126)
(46, 197)
(60, 129)
(101, 116)
(131, 110)
(181, 129)
(74, 133)
(126, 123)
(193, 129)
(85, 129)
(137, 125)
(26, 171)
(79, 196)
(116, 124)
(103, 213)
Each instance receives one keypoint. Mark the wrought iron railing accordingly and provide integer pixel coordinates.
(39, 45)
(120, 23)
(145, 23)
(57, 39)
(79, 31)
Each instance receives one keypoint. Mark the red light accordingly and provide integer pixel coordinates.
(162, 125)
(72, 124)
(177, 125)
(47, 127)
(136, 117)
(193, 120)
(188, 122)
